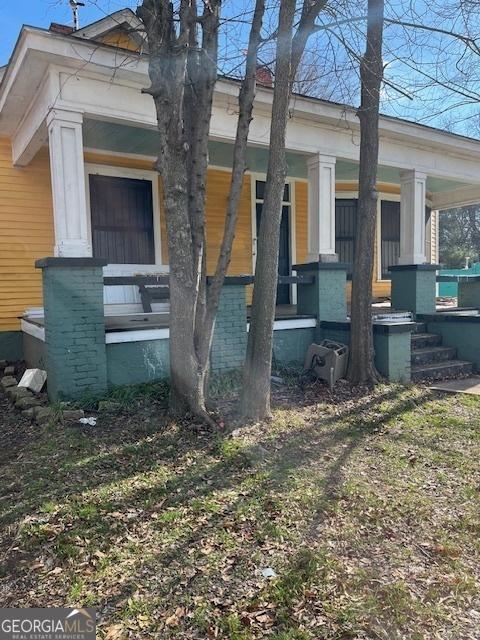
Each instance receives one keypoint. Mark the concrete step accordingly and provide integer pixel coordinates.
(432, 354)
(441, 370)
(424, 340)
(420, 327)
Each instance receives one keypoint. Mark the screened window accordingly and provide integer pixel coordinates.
(283, 290)
(390, 236)
(122, 220)
(345, 230)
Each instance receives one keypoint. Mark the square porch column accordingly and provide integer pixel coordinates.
(321, 209)
(75, 350)
(413, 280)
(412, 217)
(72, 237)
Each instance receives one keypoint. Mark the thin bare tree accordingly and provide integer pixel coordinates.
(183, 67)
(255, 401)
(361, 368)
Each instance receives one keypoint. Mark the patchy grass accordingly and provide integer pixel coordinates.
(367, 508)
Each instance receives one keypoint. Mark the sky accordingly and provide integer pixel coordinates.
(406, 93)
(40, 13)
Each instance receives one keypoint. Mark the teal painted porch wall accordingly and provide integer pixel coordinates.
(290, 345)
(11, 345)
(464, 336)
(137, 362)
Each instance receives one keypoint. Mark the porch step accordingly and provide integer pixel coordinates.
(424, 340)
(441, 370)
(420, 327)
(432, 354)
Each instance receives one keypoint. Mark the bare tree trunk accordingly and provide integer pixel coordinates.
(256, 381)
(361, 367)
(255, 400)
(183, 58)
(245, 102)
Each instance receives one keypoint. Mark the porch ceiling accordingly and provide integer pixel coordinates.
(117, 138)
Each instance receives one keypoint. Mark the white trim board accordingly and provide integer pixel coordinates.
(293, 323)
(33, 330)
(140, 335)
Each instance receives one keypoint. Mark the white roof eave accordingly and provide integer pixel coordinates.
(42, 47)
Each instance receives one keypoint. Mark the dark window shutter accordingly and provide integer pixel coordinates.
(390, 236)
(122, 220)
(345, 231)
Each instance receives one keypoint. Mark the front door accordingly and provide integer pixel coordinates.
(283, 290)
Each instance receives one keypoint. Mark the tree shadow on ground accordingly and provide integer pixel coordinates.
(271, 462)
(287, 454)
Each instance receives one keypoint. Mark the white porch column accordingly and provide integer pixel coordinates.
(321, 208)
(412, 217)
(68, 184)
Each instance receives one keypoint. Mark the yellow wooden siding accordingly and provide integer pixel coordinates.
(26, 226)
(26, 233)
(301, 222)
(120, 38)
(218, 186)
(435, 258)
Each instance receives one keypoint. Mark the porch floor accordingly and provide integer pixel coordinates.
(139, 321)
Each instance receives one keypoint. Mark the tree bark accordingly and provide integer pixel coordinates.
(183, 59)
(255, 400)
(256, 380)
(361, 366)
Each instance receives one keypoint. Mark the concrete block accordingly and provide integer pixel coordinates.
(43, 415)
(8, 381)
(73, 415)
(14, 393)
(27, 403)
(9, 371)
(33, 379)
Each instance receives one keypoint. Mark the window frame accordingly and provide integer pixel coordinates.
(261, 177)
(136, 174)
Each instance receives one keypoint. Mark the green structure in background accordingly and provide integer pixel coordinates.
(450, 289)
(414, 288)
(74, 326)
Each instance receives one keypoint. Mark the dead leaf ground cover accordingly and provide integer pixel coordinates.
(366, 507)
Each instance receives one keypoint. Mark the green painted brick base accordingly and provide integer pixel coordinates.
(414, 288)
(229, 344)
(393, 356)
(325, 298)
(74, 329)
(392, 352)
(11, 345)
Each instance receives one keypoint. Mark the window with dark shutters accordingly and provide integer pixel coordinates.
(345, 230)
(390, 236)
(122, 220)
